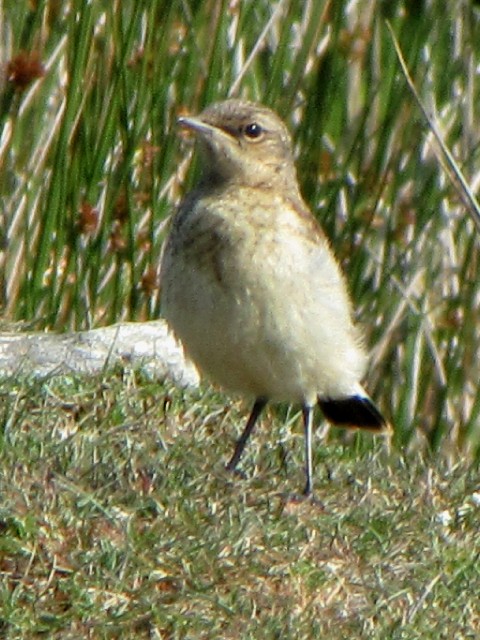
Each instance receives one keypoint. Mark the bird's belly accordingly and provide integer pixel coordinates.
(269, 336)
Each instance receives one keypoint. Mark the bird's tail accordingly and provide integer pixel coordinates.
(356, 411)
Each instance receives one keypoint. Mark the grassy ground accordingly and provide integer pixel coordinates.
(92, 165)
(116, 518)
(120, 521)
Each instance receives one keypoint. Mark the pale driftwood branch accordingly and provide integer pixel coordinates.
(148, 346)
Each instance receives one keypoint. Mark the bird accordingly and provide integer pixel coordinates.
(250, 285)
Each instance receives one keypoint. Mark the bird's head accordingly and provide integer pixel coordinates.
(243, 143)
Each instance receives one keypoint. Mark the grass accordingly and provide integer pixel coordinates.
(92, 167)
(121, 522)
(116, 518)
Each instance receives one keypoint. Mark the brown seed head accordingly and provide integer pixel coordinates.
(149, 282)
(24, 69)
(87, 220)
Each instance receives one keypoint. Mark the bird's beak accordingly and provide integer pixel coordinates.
(210, 133)
(196, 124)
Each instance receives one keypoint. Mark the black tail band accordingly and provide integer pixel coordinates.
(355, 411)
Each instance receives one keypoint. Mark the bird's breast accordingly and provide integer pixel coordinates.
(255, 294)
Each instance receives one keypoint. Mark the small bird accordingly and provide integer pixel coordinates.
(250, 285)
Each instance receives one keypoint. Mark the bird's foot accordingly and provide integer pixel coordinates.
(294, 499)
(236, 473)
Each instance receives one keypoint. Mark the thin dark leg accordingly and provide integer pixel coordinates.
(258, 407)
(307, 413)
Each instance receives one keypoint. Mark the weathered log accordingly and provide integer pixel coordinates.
(148, 346)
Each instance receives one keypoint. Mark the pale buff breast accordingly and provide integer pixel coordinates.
(259, 302)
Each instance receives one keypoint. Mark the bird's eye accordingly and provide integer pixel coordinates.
(253, 131)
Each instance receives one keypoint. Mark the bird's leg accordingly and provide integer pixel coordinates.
(307, 412)
(257, 409)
